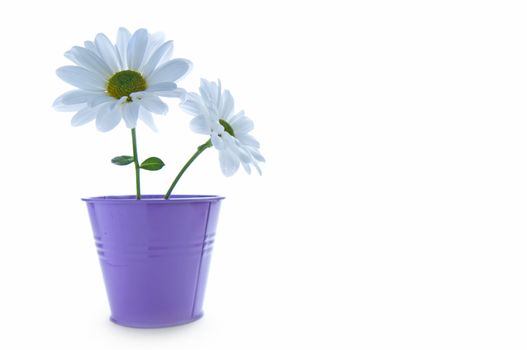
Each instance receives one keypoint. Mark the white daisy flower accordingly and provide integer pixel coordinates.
(121, 81)
(213, 111)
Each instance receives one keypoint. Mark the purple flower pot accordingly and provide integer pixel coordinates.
(154, 255)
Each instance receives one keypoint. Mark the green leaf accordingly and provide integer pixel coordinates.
(123, 160)
(152, 163)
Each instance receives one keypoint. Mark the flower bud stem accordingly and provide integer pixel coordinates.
(182, 171)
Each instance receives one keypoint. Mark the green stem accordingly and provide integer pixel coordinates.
(182, 171)
(136, 163)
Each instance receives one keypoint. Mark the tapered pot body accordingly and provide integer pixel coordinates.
(154, 255)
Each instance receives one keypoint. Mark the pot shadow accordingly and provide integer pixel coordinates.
(186, 328)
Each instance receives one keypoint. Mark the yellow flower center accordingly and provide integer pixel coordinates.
(125, 82)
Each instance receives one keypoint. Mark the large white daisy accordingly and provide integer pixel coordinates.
(213, 111)
(121, 81)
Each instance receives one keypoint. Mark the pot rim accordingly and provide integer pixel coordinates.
(154, 199)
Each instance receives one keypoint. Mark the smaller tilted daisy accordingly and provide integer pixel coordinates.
(121, 81)
(213, 111)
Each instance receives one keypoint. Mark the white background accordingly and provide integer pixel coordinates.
(391, 212)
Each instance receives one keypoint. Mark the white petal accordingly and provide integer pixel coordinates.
(154, 41)
(91, 61)
(242, 126)
(227, 105)
(123, 37)
(108, 117)
(217, 127)
(84, 116)
(219, 99)
(257, 168)
(108, 52)
(229, 163)
(99, 99)
(179, 93)
(150, 102)
(209, 92)
(59, 106)
(146, 117)
(130, 112)
(75, 97)
(247, 168)
(166, 89)
(90, 46)
(166, 56)
(173, 70)
(154, 60)
(217, 141)
(193, 104)
(199, 125)
(248, 140)
(160, 87)
(253, 161)
(248, 155)
(70, 56)
(244, 155)
(120, 102)
(233, 118)
(81, 78)
(136, 48)
(257, 155)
